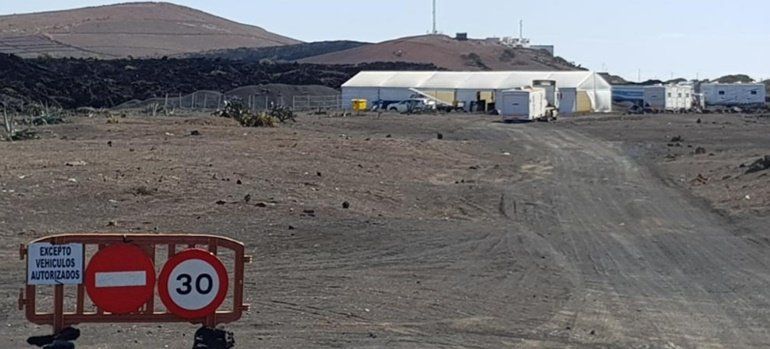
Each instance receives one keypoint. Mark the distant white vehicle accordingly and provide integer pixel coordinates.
(412, 105)
(526, 104)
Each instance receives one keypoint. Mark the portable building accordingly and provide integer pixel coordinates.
(679, 97)
(733, 94)
(551, 91)
(477, 90)
(668, 97)
(523, 104)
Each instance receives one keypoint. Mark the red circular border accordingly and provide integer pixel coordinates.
(193, 253)
(113, 258)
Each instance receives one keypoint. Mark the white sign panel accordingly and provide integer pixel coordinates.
(193, 284)
(49, 264)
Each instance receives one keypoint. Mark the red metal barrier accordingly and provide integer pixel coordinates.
(149, 313)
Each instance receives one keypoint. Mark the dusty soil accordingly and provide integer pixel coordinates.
(142, 30)
(574, 234)
(708, 155)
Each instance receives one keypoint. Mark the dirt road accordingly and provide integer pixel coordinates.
(647, 266)
(533, 236)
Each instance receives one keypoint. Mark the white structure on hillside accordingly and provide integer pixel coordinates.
(579, 91)
(734, 94)
(522, 42)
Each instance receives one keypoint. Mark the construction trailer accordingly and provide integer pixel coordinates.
(478, 91)
(524, 104)
(551, 91)
(659, 97)
(729, 95)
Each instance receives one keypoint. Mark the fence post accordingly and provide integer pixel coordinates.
(205, 100)
(192, 102)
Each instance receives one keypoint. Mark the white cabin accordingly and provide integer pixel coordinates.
(734, 94)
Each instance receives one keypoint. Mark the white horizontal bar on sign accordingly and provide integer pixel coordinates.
(121, 279)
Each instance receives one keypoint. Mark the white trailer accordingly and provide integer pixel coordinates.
(734, 94)
(679, 97)
(660, 97)
(524, 104)
(670, 97)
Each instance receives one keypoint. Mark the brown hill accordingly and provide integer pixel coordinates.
(144, 29)
(614, 79)
(734, 79)
(447, 53)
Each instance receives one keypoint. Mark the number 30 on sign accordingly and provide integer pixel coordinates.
(193, 284)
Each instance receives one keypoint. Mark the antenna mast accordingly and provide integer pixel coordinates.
(434, 18)
(521, 30)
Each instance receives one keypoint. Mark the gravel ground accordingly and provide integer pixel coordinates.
(583, 233)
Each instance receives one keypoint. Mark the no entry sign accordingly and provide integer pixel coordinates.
(120, 278)
(193, 284)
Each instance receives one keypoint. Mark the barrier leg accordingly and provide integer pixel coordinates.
(213, 338)
(61, 340)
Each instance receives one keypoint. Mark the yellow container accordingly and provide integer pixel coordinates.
(359, 104)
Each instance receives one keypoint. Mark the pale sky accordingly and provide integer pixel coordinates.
(688, 38)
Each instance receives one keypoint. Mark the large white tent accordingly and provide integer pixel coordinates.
(465, 86)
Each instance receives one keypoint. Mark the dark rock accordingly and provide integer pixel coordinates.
(212, 338)
(699, 121)
(71, 83)
(195, 133)
(221, 202)
(346, 205)
(759, 165)
(677, 139)
(238, 182)
(60, 345)
(440, 135)
(700, 150)
(144, 191)
(247, 198)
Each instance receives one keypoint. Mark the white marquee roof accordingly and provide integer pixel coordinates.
(499, 80)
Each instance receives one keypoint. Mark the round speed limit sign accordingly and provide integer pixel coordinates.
(193, 284)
